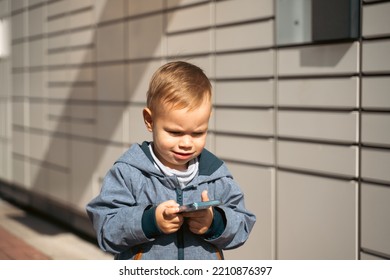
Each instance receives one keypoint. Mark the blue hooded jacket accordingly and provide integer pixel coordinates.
(123, 217)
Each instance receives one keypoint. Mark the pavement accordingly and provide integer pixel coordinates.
(28, 236)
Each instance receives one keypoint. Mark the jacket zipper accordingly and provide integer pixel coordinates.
(180, 233)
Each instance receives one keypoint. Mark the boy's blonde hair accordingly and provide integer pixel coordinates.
(179, 85)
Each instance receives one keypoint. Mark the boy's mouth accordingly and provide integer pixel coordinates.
(183, 156)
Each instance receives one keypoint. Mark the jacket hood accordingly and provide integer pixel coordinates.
(210, 167)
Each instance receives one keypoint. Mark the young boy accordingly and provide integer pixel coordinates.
(136, 215)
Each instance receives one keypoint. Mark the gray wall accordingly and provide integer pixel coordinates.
(305, 128)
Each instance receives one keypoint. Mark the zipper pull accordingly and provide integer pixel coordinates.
(179, 196)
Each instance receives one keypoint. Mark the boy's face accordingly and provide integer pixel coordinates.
(179, 135)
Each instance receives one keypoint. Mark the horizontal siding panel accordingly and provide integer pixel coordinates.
(20, 172)
(226, 11)
(110, 42)
(20, 144)
(376, 20)
(19, 84)
(257, 184)
(39, 179)
(38, 115)
(38, 84)
(138, 78)
(82, 92)
(85, 74)
(57, 7)
(243, 37)
(108, 155)
(82, 38)
(58, 41)
(58, 151)
(37, 53)
(5, 161)
(58, 24)
(322, 93)
(205, 62)
(144, 38)
(82, 56)
(82, 112)
(83, 127)
(244, 93)
(77, 5)
(58, 109)
(330, 159)
(316, 218)
(376, 128)
(336, 126)
(19, 55)
(316, 60)
(111, 10)
(58, 75)
(248, 121)
(4, 9)
(19, 113)
(18, 23)
(5, 121)
(16, 5)
(37, 21)
(60, 93)
(375, 93)
(57, 59)
(245, 65)
(375, 56)
(57, 117)
(111, 82)
(80, 187)
(111, 123)
(136, 7)
(258, 151)
(175, 3)
(189, 18)
(189, 43)
(59, 184)
(58, 125)
(84, 19)
(137, 131)
(375, 213)
(5, 80)
(375, 165)
(368, 257)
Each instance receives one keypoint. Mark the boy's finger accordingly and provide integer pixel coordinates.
(195, 214)
(170, 211)
(205, 196)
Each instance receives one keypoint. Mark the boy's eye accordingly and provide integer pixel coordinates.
(198, 134)
(180, 133)
(175, 133)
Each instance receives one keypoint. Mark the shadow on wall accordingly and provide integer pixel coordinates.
(311, 57)
(89, 109)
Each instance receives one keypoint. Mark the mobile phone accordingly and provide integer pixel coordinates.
(198, 205)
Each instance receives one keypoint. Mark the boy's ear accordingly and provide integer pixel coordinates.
(148, 119)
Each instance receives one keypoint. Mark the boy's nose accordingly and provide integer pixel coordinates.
(185, 141)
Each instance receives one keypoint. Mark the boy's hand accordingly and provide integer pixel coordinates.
(200, 221)
(167, 217)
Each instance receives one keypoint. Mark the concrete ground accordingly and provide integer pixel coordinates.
(29, 234)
